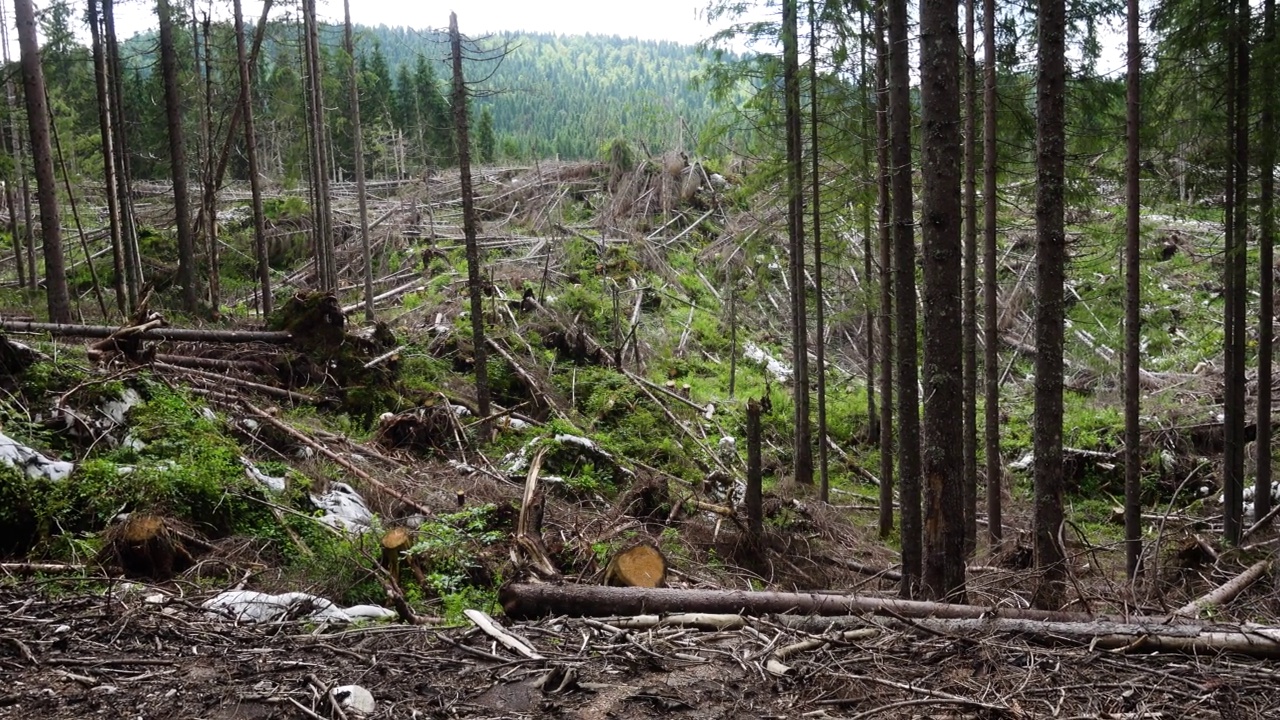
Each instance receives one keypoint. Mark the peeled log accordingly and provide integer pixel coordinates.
(159, 333)
(523, 601)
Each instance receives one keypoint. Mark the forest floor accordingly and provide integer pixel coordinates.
(673, 273)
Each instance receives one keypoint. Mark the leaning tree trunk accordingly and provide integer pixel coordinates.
(905, 297)
(459, 101)
(177, 159)
(1051, 256)
(944, 462)
(59, 302)
(359, 166)
(251, 151)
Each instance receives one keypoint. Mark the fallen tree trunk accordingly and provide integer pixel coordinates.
(531, 601)
(1140, 636)
(158, 333)
(1226, 592)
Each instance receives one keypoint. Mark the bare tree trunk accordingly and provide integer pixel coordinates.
(1235, 408)
(990, 286)
(459, 102)
(19, 160)
(970, 332)
(177, 159)
(108, 159)
(15, 152)
(820, 312)
(42, 153)
(75, 213)
(120, 147)
(754, 495)
(886, 274)
(10, 201)
(905, 298)
(326, 264)
(803, 460)
(251, 149)
(1132, 310)
(209, 202)
(1051, 259)
(1266, 251)
(944, 464)
(359, 167)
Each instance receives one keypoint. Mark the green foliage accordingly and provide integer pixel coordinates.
(450, 545)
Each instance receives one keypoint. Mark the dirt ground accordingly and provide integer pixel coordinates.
(150, 654)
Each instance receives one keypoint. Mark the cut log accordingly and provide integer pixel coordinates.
(641, 565)
(1226, 592)
(156, 333)
(533, 601)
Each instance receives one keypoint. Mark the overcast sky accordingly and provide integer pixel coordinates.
(679, 20)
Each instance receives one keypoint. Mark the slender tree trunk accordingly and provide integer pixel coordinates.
(1051, 259)
(108, 158)
(177, 159)
(15, 152)
(459, 101)
(1232, 484)
(990, 286)
(120, 158)
(970, 342)
(819, 310)
(1266, 252)
(75, 213)
(251, 150)
(10, 201)
(359, 166)
(1133, 308)
(326, 264)
(905, 298)
(42, 153)
(803, 459)
(1236, 411)
(886, 273)
(209, 202)
(944, 462)
(869, 76)
(27, 277)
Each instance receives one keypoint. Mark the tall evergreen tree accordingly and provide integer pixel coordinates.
(803, 451)
(177, 157)
(1133, 300)
(59, 303)
(486, 141)
(1051, 260)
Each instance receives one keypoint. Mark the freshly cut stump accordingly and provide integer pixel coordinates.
(640, 565)
(145, 546)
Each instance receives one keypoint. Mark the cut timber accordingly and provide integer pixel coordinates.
(639, 566)
(532, 601)
(146, 546)
(395, 545)
(155, 333)
(1226, 592)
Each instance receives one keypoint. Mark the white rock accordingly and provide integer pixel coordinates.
(253, 606)
(31, 462)
(343, 508)
(354, 699)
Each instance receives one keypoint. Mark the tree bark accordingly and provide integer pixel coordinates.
(459, 102)
(1049, 313)
(886, 274)
(803, 460)
(990, 284)
(970, 342)
(245, 106)
(868, 90)
(521, 601)
(1133, 307)
(754, 500)
(120, 158)
(209, 199)
(944, 462)
(1234, 407)
(166, 333)
(20, 173)
(820, 347)
(326, 264)
(905, 297)
(108, 159)
(1266, 253)
(177, 159)
(359, 165)
(59, 303)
